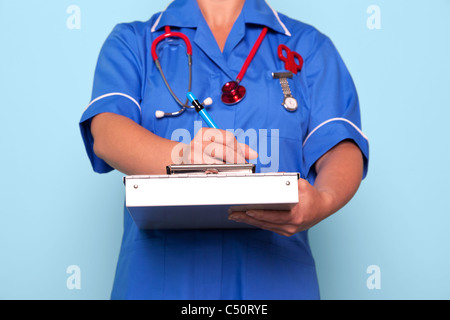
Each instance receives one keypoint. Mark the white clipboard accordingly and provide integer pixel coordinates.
(199, 196)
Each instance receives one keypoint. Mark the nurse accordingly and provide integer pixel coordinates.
(321, 139)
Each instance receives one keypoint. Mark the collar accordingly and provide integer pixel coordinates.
(186, 13)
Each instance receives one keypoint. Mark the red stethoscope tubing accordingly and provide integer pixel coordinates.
(252, 54)
(232, 92)
(167, 34)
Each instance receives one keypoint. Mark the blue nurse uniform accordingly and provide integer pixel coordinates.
(225, 264)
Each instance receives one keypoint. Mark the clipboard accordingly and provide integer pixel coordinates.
(199, 196)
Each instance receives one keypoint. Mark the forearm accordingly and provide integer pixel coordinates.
(339, 174)
(128, 147)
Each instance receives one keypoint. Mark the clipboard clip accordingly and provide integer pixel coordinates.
(210, 168)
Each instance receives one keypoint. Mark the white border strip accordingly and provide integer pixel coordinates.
(286, 31)
(114, 94)
(335, 119)
(159, 18)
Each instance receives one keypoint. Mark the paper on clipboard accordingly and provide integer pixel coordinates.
(198, 197)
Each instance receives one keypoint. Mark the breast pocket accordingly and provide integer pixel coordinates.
(286, 106)
(280, 132)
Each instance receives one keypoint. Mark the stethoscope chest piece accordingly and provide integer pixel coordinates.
(232, 93)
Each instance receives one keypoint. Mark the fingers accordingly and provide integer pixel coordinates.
(304, 215)
(256, 218)
(220, 145)
(223, 145)
(249, 153)
(279, 217)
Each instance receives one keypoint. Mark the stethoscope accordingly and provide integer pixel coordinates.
(232, 92)
(169, 34)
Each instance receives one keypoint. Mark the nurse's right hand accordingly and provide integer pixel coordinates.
(212, 146)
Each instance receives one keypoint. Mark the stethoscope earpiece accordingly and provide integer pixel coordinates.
(159, 114)
(208, 101)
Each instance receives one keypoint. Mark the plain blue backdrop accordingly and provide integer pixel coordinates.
(55, 212)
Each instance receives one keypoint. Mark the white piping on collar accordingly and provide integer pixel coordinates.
(159, 18)
(286, 31)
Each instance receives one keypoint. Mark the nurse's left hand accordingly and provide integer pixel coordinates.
(310, 210)
(339, 174)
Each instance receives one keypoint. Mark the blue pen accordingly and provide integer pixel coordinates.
(201, 110)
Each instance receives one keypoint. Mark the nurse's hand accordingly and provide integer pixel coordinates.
(310, 209)
(339, 173)
(212, 146)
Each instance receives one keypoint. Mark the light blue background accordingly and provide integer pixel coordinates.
(55, 212)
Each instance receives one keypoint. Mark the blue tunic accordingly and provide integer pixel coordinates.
(225, 264)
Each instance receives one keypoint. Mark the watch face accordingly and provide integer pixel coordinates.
(290, 104)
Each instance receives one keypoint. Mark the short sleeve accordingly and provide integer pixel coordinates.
(334, 107)
(117, 86)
